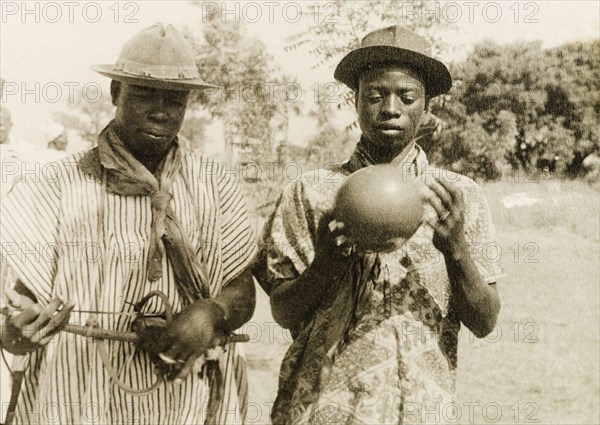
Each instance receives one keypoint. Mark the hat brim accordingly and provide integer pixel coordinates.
(182, 85)
(437, 77)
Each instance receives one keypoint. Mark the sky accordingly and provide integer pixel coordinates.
(46, 48)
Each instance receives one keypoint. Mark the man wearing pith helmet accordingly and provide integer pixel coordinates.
(168, 230)
(376, 331)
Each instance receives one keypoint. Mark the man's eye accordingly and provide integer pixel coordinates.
(408, 100)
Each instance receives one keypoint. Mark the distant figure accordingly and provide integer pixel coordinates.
(57, 142)
(13, 152)
(10, 145)
(5, 126)
(11, 164)
(55, 135)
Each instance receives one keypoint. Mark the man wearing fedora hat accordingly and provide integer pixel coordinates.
(135, 215)
(375, 333)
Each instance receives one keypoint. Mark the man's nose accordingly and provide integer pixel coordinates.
(392, 106)
(159, 109)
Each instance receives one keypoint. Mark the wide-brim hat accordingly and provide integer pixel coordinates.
(157, 57)
(399, 46)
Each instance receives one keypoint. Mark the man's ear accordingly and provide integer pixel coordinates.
(426, 107)
(115, 89)
(356, 96)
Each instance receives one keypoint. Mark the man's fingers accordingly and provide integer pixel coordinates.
(334, 225)
(14, 298)
(17, 300)
(434, 224)
(173, 355)
(186, 369)
(56, 323)
(27, 316)
(47, 312)
(441, 193)
(452, 189)
(435, 202)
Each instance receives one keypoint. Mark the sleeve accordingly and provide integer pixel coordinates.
(286, 247)
(481, 235)
(7, 280)
(29, 220)
(237, 236)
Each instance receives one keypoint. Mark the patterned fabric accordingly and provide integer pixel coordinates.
(397, 359)
(65, 236)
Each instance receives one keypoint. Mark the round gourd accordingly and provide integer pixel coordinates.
(379, 203)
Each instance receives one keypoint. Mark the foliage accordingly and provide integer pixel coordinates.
(539, 113)
(249, 96)
(330, 38)
(330, 144)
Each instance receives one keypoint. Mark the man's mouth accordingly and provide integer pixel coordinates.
(155, 135)
(389, 127)
(389, 130)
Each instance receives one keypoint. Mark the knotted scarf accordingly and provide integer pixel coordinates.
(124, 175)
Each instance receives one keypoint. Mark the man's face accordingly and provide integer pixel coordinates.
(389, 103)
(148, 119)
(5, 126)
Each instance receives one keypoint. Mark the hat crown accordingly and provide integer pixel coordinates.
(395, 45)
(158, 51)
(397, 36)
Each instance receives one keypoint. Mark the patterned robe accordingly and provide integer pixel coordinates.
(382, 345)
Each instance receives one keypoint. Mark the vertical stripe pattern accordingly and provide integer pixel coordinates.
(52, 238)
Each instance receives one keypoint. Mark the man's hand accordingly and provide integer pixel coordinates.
(476, 302)
(333, 248)
(447, 200)
(293, 301)
(32, 326)
(197, 328)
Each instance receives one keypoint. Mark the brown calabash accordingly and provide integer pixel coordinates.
(379, 203)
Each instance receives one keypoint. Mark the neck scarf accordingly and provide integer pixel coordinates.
(125, 175)
(414, 161)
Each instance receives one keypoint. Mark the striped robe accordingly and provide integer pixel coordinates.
(67, 237)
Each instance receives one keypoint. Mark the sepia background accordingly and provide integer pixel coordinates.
(522, 119)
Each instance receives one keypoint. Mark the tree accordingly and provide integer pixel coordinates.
(535, 114)
(330, 144)
(340, 25)
(246, 101)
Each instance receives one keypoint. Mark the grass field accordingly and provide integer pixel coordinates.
(541, 364)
